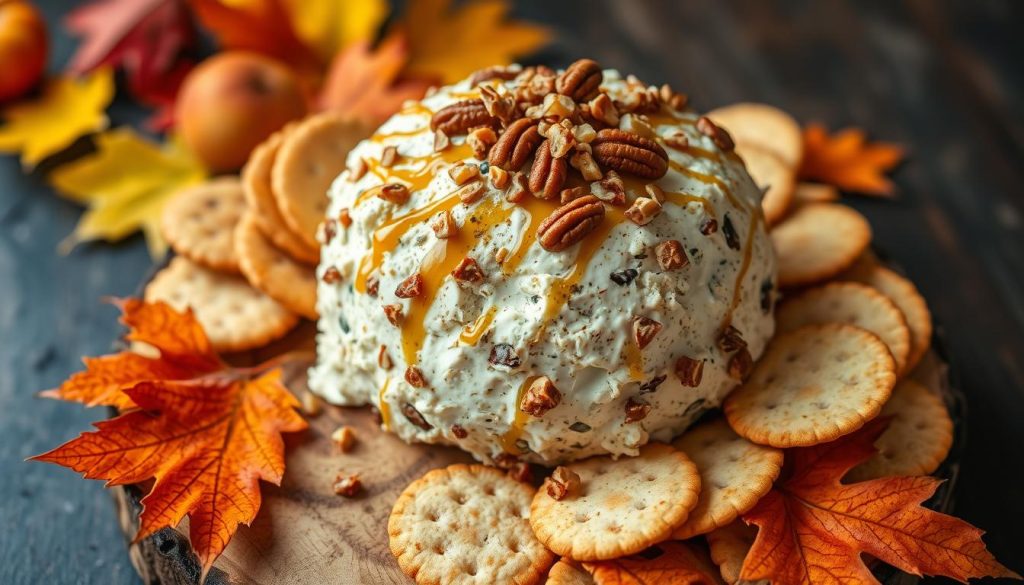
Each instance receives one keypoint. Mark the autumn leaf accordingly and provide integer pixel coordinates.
(148, 39)
(814, 529)
(362, 82)
(668, 563)
(328, 27)
(451, 44)
(125, 185)
(67, 109)
(848, 161)
(206, 440)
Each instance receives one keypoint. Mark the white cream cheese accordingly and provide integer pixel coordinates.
(562, 312)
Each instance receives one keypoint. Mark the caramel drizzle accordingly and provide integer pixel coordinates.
(748, 250)
(515, 430)
(415, 173)
(384, 408)
(710, 180)
(472, 333)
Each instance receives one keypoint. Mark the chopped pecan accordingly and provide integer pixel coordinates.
(561, 139)
(372, 285)
(384, 358)
(327, 230)
(344, 217)
(730, 340)
(518, 190)
(611, 189)
(548, 174)
(624, 276)
(396, 193)
(554, 109)
(676, 101)
(459, 117)
(503, 354)
(570, 223)
(500, 178)
(462, 173)
(603, 110)
(488, 73)
(393, 313)
(515, 145)
(471, 192)
(411, 287)
(441, 140)
(627, 152)
(331, 275)
(481, 140)
(389, 157)
(740, 365)
(521, 471)
(358, 169)
(586, 165)
(344, 437)
(581, 80)
(459, 431)
(540, 397)
(500, 106)
(716, 133)
(415, 417)
(671, 255)
(563, 483)
(414, 376)
(655, 192)
(708, 226)
(468, 271)
(443, 225)
(636, 409)
(643, 211)
(637, 124)
(644, 330)
(677, 140)
(689, 371)
(732, 239)
(347, 485)
(571, 194)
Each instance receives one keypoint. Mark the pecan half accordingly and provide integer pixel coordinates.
(690, 371)
(515, 145)
(489, 73)
(547, 175)
(540, 397)
(415, 417)
(459, 117)
(570, 223)
(644, 330)
(581, 80)
(671, 255)
(630, 153)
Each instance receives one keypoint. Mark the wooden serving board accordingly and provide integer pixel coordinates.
(305, 534)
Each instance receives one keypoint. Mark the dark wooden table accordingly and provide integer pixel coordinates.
(942, 78)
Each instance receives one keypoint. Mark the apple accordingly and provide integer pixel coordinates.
(232, 102)
(23, 48)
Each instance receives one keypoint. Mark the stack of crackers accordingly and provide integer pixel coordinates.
(850, 333)
(246, 248)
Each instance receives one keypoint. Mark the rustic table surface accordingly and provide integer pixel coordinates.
(943, 78)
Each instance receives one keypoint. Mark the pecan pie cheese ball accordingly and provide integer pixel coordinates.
(541, 266)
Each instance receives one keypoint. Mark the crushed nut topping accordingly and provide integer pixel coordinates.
(570, 223)
(347, 485)
(389, 156)
(636, 409)
(625, 276)
(358, 169)
(603, 110)
(740, 365)
(462, 173)
(689, 371)
(372, 285)
(671, 255)
(674, 100)
(396, 193)
(488, 73)
(561, 140)
(643, 211)
(731, 340)
(329, 229)
(571, 194)
(708, 226)
(644, 331)
(414, 376)
(503, 354)
(311, 404)
(652, 384)
(611, 189)
(384, 358)
(521, 471)
(443, 225)
(344, 217)
(468, 271)
(518, 190)
(562, 483)
(481, 140)
(583, 162)
(414, 416)
(677, 140)
(411, 287)
(471, 192)
(500, 106)
(732, 239)
(540, 397)
(655, 192)
(394, 314)
(344, 437)
(331, 275)
(441, 141)
(716, 133)
(459, 431)
(500, 178)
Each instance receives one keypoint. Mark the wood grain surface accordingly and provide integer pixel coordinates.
(942, 77)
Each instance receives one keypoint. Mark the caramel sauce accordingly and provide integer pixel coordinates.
(634, 359)
(668, 118)
(536, 210)
(416, 108)
(474, 331)
(515, 428)
(384, 407)
(748, 251)
(415, 173)
(710, 180)
(684, 199)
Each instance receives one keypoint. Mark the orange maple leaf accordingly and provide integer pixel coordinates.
(363, 82)
(206, 440)
(848, 161)
(814, 529)
(668, 563)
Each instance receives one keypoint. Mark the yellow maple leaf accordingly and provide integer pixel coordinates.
(451, 44)
(125, 185)
(66, 109)
(328, 27)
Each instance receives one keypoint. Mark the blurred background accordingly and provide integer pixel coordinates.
(941, 78)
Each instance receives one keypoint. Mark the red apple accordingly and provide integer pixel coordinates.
(232, 102)
(23, 48)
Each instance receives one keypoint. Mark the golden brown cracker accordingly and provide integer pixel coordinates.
(814, 193)
(817, 242)
(764, 125)
(772, 174)
(729, 546)
(199, 221)
(283, 279)
(569, 572)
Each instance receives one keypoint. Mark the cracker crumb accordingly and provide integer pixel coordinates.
(344, 437)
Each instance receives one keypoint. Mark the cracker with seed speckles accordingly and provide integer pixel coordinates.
(917, 440)
(199, 221)
(467, 524)
(771, 173)
(569, 572)
(623, 507)
(729, 546)
(283, 279)
(311, 157)
(765, 126)
(813, 385)
(234, 315)
(734, 475)
(817, 242)
(902, 292)
(260, 196)
(854, 304)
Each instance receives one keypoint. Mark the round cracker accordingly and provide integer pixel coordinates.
(814, 193)
(734, 475)
(312, 155)
(283, 279)
(918, 438)
(771, 173)
(902, 292)
(818, 241)
(569, 572)
(467, 524)
(729, 546)
(199, 221)
(813, 385)
(764, 125)
(851, 303)
(258, 192)
(623, 507)
(234, 315)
